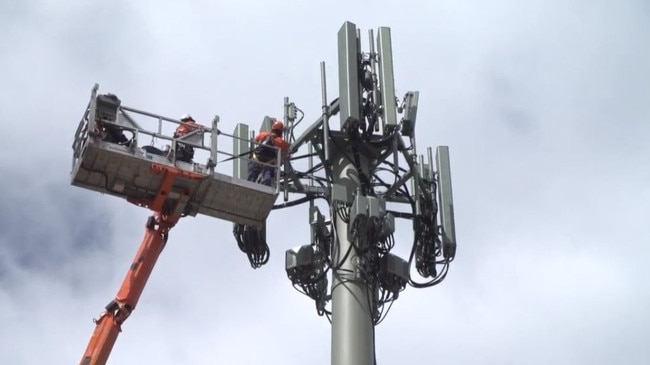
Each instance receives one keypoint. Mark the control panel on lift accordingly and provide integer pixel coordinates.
(113, 155)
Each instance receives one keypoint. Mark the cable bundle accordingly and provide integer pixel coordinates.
(252, 242)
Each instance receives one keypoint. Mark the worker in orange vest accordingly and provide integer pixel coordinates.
(185, 152)
(264, 153)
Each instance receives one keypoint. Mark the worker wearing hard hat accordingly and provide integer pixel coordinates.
(264, 153)
(185, 152)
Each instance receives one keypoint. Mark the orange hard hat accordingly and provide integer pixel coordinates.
(277, 126)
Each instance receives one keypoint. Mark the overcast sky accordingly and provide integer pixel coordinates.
(545, 107)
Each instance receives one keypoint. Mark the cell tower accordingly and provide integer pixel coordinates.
(348, 269)
(350, 248)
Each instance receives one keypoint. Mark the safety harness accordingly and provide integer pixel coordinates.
(263, 152)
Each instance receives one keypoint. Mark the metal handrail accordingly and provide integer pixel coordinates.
(127, 122)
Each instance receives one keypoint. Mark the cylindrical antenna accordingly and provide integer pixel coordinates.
(421, 170)
(326, 127)
(430, 158)
(310, 161)
(396, 154)
(323, 82)
(359, 39)
(416, 185)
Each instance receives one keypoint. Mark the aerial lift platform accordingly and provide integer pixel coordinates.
(159, 180)
(132, 171)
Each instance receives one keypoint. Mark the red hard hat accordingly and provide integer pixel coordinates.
(277, 126)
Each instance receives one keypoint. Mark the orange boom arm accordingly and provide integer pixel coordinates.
(108, 326)
(118, 310)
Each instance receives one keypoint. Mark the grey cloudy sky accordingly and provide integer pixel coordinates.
(545, 106)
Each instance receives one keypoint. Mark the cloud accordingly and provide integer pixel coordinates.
(544, 107)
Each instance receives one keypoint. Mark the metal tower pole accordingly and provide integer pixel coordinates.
(352, 327)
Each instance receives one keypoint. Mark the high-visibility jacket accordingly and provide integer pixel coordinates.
(264, 153)
(185, 128)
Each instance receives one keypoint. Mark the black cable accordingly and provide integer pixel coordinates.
(345, 257)
(343, 212)
(300, 157)
(337, 268)
(253, 244)
(393, 166)
(315, 168)
(437, 280)
(372, 309)
(363, 179)
(298, 201)
(385, 314)
(403, 190)
(308, 175)
(321, 181)
(292, 137)
(381, 182)
(104, 176)
(312, 281)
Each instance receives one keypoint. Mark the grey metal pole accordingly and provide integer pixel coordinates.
(352, 325)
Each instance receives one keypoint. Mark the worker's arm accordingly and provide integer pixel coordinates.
(283, 145)
(260, 137)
